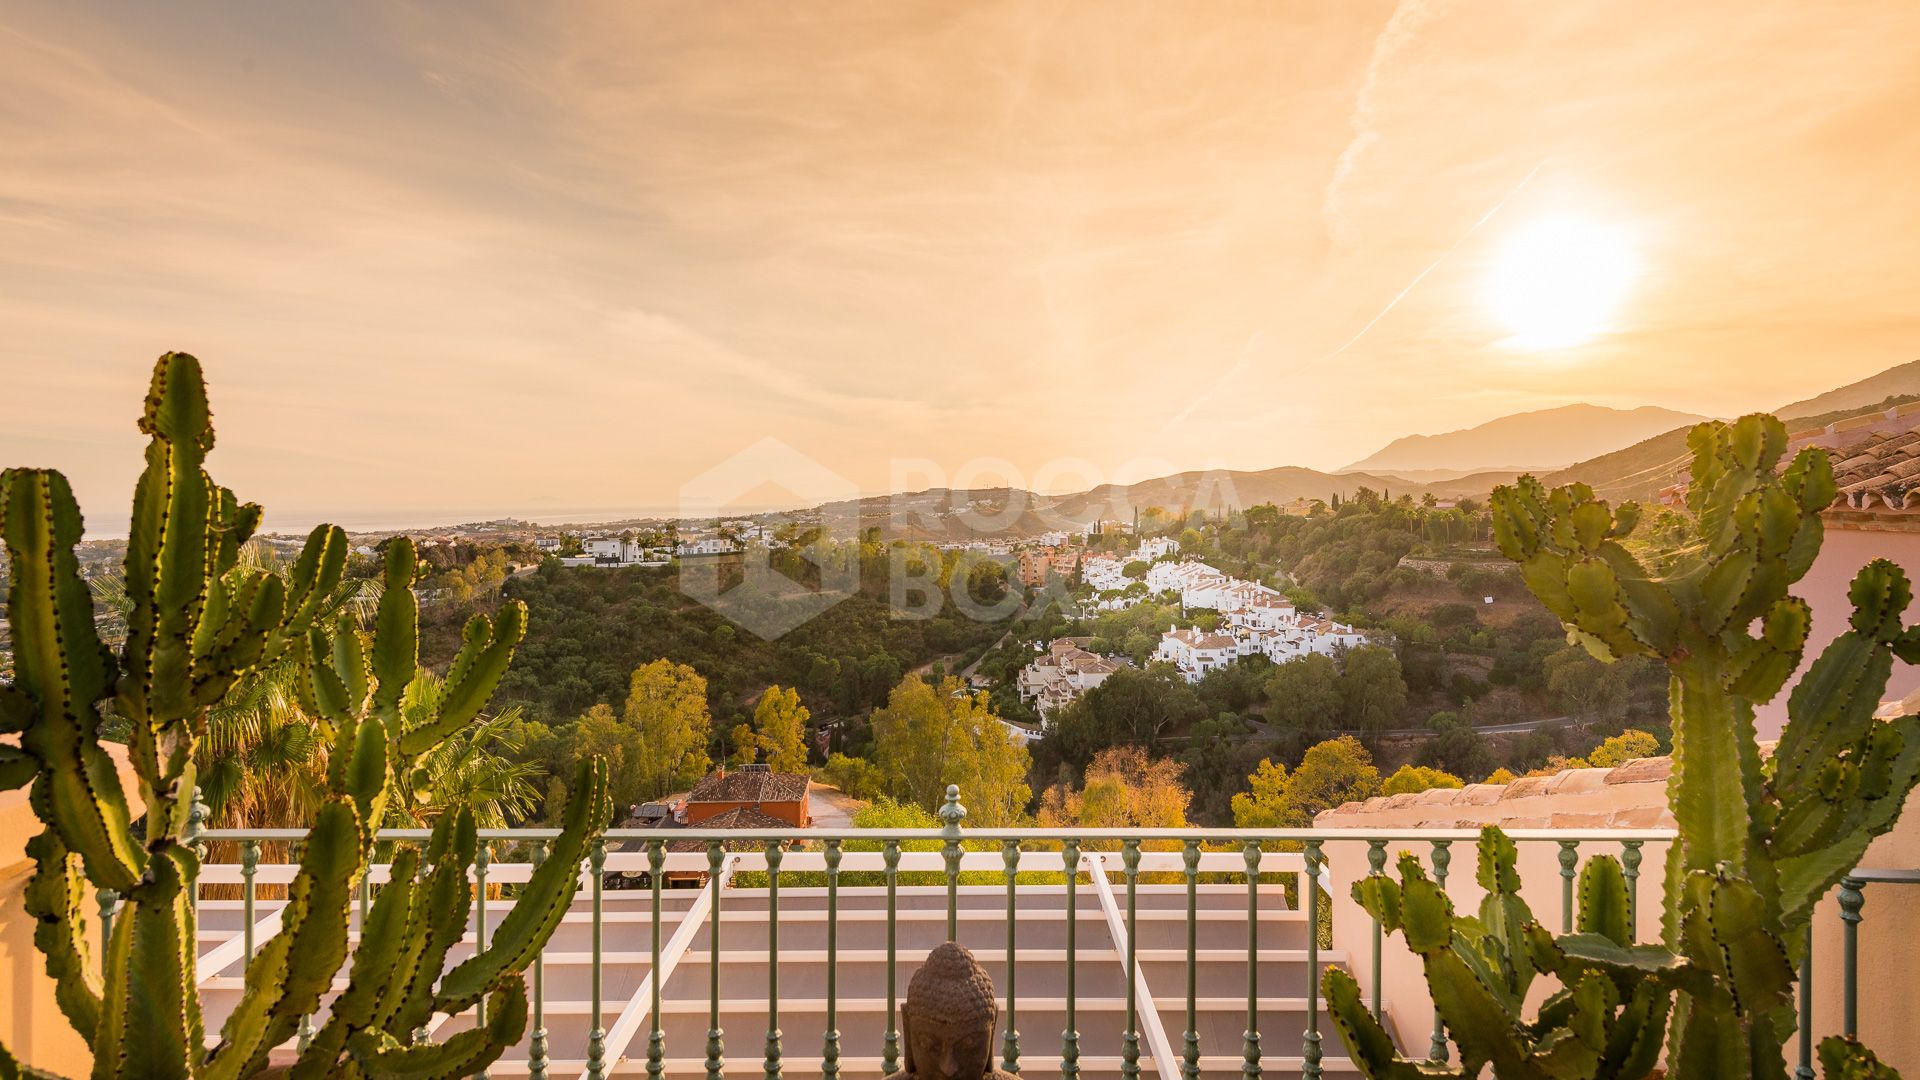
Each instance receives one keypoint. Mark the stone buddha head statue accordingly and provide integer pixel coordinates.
(949, 1017)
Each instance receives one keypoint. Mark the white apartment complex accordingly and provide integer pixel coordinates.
(1102, 573)
(1064, 672)
(1255, 619)
(1201, 586)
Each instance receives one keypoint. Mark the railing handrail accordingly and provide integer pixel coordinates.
(1019, 834)
(1885, 876)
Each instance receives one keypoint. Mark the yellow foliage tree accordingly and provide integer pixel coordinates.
(667, 706)
(928, 736)
(1411, 778)
(781, 725)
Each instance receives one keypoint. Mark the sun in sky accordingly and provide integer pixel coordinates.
(1559, 281)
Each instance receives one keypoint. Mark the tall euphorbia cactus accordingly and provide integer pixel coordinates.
(1769, 834)
(198, 622)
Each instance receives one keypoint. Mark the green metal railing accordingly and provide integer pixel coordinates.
(1852, 898)
(1014, 872)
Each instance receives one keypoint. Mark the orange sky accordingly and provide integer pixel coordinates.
(453, 260)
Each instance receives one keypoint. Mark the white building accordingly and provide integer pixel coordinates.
(1155, 547)
(709, 545)
(1064, 672)
(1196, 652)
(1102, 573)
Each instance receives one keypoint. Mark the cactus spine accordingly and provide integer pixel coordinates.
(1761, 839)
(199, 622)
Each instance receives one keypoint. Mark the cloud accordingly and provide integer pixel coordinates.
(1402, 27)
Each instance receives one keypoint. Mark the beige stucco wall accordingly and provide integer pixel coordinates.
(1824, 589)
(31, 1025)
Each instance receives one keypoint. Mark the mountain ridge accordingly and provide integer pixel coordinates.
(1534, 440)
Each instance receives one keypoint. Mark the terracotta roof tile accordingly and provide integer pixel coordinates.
(750, 787)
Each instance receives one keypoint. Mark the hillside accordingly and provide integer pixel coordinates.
(929, 515)
(1546, 438)
(1901, 381)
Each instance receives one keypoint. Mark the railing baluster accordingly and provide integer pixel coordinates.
(538, 1060)
(1310, 1048)
(775, 852)
(197, 813)
(249, 867)
(1805, 1023)
(1569, 860)
(1190, 1054)
(480, 860)
(1010, 1044)
(951, 815)
(890, 1044)
(1250, 1050)
(716, 1063)
(656, 1037)
(1437, 1047)
(1130, 1044)
(1852, 899)
(830, 1053)
(597, 1035)
(1070, 1036)
(1630, 869)
(1376, 864)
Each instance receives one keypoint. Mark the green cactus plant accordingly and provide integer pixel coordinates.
(198, 622)
(1761, 838)
(1606, 1021)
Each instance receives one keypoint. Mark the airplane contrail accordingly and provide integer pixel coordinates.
(1432, 266)
(1239, 362)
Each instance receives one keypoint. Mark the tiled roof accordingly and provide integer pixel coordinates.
(1876, 466)
(740, 817)
(750, 787)
(1880, 469)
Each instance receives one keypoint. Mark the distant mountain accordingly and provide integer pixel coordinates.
(1899, 381)
(940, 514)
(1544, 439)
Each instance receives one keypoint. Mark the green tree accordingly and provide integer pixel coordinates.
(1590, 690)
(1411, 778)
(1304, 695)
(780, 722)
(667, 708)
(1132, 707)
(1372, 691)
(929, 736)
(600, 733)
(854, 776)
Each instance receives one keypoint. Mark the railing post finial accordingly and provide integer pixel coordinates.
(952, 813)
